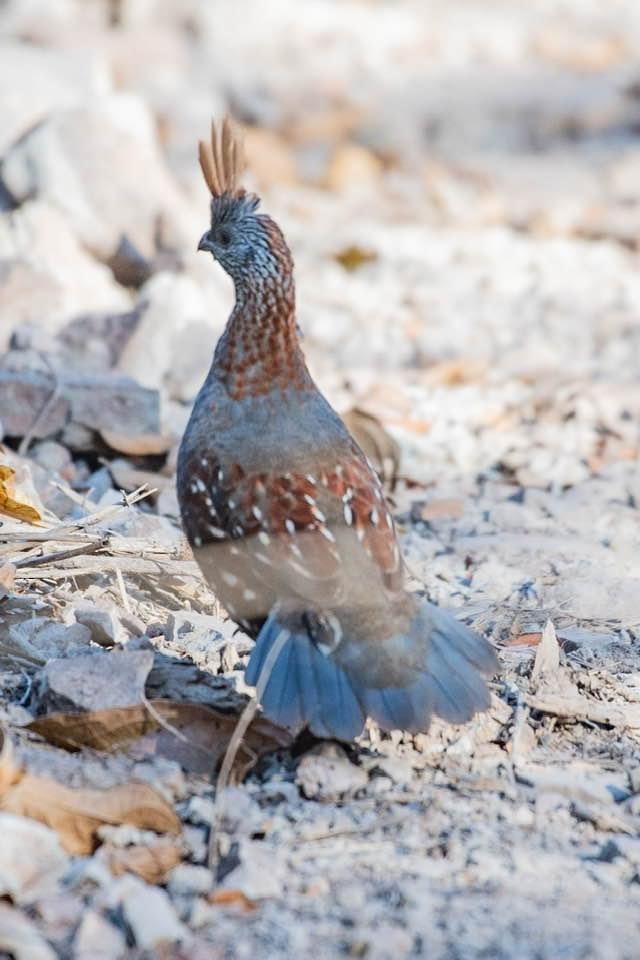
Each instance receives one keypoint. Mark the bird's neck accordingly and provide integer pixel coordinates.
(260, 351)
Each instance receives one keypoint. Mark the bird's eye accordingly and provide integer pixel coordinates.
(223, 237)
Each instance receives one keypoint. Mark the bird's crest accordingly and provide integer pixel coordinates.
(222, 160)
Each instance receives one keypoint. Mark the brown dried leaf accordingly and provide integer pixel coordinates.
(379, 446)
(232, 898)
(524, 640)
(12, 501)
(450, 373)
(75, 815)
(151, 862)
(106, 730)
(194, 735)
(353, 256)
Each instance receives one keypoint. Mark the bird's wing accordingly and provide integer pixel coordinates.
(318, 540)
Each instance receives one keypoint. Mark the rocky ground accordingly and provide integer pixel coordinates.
(460, 185)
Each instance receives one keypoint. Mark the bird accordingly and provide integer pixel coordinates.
(288, 520)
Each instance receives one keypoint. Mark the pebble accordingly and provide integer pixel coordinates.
(150, 914)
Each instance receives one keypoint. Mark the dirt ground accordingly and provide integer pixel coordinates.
(460, 186)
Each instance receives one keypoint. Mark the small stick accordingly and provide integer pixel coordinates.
(59, 555)
(241, 728)
(159, 719)
(102, 564)
(25, 443)
(124, 596)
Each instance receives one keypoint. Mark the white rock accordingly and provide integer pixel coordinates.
(97, 939)
(46, 639)
(49, 80)
(150, 914)
(259, 874)
(326, 774)
(188, 879)
(200, 810)
(174, 340)
(100, 165)
(20, 938)
(49, 277)
(104, 623)
(32, 861)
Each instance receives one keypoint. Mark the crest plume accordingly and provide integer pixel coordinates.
(222, 159)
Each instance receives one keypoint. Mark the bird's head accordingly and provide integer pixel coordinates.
(246, 244)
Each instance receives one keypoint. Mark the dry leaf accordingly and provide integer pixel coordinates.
(232, 898)
(353, 256)
(106, 730)
(202, 733)
(12, 502)
(524, 640)
(451, 373)
(75, 815)
(152, 862)
(379, 446)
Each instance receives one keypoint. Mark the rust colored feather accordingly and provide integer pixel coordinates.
(222, 159)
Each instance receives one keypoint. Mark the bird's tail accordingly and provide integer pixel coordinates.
(452, 684)
(307, 687)
(304, 686)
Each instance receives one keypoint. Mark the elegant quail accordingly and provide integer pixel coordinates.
(288, 520)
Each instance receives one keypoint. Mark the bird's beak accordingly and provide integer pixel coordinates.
(205, 242)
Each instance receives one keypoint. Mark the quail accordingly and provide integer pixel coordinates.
(287, 518)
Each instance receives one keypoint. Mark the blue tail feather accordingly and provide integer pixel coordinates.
(305, 686)
(308, 687)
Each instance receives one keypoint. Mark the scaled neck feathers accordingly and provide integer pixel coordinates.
(259, 351)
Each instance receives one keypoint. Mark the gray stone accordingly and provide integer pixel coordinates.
(28, 403)
(32, 401)
(43, 639)
(98, 681)
(105, 624)
(113, 403)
